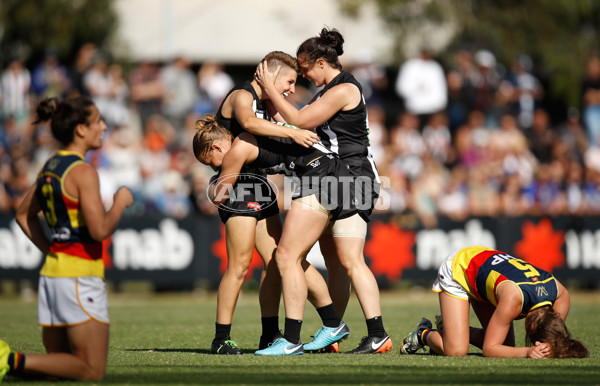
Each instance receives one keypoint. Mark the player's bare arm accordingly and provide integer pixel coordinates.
(258, 126)
(342, 97)
(84, 182)
(243, 151)
(28, 219)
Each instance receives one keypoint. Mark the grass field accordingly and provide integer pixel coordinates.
(164, 340)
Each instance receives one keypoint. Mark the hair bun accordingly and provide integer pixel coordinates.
(333, 38)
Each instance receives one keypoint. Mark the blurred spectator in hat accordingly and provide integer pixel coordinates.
(421, 83)
(487, 86)
(50, 78)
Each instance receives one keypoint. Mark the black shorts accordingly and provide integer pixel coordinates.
(253, 197)
(330, 181)
(366, 184)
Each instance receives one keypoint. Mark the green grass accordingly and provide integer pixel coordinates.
(164, 339)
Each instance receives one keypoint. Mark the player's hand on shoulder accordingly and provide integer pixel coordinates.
(124, 196)
(539, 351)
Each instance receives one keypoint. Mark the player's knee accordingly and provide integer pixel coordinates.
(456, 351)
(93, 374)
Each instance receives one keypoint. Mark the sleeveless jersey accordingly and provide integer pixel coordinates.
(257, 203)
(347, 134)
(259, 107)
(73, 252)
(479, 270)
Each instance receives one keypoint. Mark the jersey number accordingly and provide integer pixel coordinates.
(50, 213)
(523, 266)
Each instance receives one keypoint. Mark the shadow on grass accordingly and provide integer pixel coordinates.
(364, 374)
(190, 350)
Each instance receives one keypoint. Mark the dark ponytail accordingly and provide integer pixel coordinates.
(64, 116)
(329, 45)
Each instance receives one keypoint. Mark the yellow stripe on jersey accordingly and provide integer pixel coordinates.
(49, 174)
(490, 287)
(76, 218)
(64, 265)
(461, 261)
(62, 181)
(536, 282)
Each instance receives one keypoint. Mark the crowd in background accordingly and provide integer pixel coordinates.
(469, 138)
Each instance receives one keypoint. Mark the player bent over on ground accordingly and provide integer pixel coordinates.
(500, 288)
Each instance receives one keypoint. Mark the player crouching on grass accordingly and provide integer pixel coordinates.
(501, 288)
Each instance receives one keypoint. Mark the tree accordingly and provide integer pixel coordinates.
(29, 27)
(558, 34)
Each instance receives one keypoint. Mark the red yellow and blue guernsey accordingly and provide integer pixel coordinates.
(73, 252)
(479, 270)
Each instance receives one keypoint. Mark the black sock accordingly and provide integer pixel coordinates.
(16, 361)
(222, 332)
(270, 326)
(329, 316)
(292, 330)
(375, 327)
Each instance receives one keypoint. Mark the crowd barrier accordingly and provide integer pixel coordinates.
(182, 253)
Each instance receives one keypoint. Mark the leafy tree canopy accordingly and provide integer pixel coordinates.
(558, 34)
(28, 28)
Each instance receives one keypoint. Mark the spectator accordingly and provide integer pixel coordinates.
(462, 80)
(421, 83)
(83, 62)
(214, 85)
(541, 137)
(180, 91)
(527, 90)
(407, 146)
(15, 85)
(574, 193)
(591, 100)
(146, 90)
(371, 76)
(454, 201)
(437, 138)
(51, 78)
(487, 87)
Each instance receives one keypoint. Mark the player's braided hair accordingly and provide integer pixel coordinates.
(328, 45)
(208, 131)
(544, 325)
(64, 116)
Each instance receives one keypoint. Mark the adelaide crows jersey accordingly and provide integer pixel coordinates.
(73, 252)
(479, 270)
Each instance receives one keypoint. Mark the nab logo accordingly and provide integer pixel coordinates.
(541, 291)
(251, 192)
